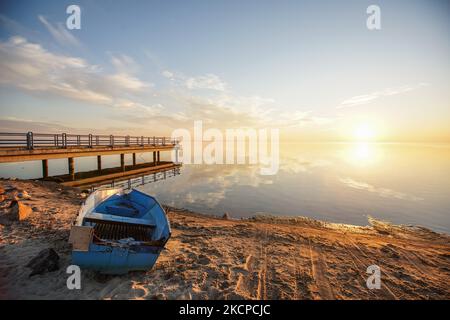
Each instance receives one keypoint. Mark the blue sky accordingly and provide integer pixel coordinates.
(311, 68)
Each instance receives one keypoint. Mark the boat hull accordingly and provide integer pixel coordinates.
(116, 260)
(117, 232)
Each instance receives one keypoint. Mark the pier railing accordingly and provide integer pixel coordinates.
(31, 140)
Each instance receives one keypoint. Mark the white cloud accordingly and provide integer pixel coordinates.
(129, 82)
(126, 67)
(219, 107)
(145, 110)
(124, 64)
(208, 81)
(60, 33)
(300, 119)
(13, 124)
(367, 98)
(30, 67)
(168, 74)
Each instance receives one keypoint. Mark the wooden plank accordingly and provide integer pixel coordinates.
(80, 237)
(21, 154)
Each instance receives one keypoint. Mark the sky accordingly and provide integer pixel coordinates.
(312, 69)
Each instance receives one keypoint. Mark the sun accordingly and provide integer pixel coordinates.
(364, 132)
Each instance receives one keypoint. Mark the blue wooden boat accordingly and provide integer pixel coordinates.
(117, 232)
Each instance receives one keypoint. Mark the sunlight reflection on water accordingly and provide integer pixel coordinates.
(404, 184)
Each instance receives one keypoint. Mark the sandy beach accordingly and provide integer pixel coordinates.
(214, 258)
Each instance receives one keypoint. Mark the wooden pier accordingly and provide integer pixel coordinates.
(30, 146)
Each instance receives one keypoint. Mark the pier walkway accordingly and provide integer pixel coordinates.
(30, 146)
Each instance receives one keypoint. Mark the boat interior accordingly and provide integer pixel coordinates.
(107, 230)
(131, 205)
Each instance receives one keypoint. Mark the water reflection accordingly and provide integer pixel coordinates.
(337, 182)
(363, 154)
(404, 184)
(382, 192)
(137, 180)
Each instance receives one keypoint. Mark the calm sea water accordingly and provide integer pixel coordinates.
(401, 183)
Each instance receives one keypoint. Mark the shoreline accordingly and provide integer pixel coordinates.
(208, 257)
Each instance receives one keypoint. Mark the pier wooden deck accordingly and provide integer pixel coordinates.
(20, 154)
(30, 146)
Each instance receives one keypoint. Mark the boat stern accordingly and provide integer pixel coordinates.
(115, 259)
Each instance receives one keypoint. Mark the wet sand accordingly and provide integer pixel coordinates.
(214, 258)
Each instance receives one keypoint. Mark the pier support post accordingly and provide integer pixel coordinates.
(45, 168)
(99, 163)
(154, 158)
(157, 160)
(134, 159)
(71, 168)
(122, 161)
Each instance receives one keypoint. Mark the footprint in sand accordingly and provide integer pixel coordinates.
(240, 270)
(138, 291)
(202, 259)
